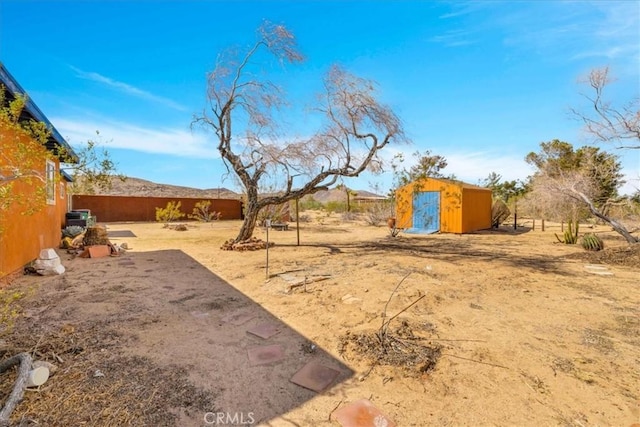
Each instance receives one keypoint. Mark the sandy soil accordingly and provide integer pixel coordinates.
(526, 333)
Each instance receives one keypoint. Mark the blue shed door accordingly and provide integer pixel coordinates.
(426, 212)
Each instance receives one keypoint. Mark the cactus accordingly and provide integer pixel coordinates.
(591, 242)
(72, 231)
(570, 235)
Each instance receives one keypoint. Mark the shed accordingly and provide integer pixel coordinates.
(431, 205)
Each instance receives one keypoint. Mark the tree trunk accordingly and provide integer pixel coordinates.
(249, 224)
(619, 228)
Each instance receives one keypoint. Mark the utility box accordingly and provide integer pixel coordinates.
(80, 217)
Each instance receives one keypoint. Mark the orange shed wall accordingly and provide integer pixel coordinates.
(450, 204)
(462, 210)
(23, 236)
(125, 208)
(476, 210)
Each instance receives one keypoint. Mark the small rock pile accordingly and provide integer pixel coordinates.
(251, 244)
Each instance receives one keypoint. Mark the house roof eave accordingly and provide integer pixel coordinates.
(56, 143)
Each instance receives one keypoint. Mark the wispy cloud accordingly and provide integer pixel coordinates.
(459, 9)
(454, 38)
(172, 141)
(126, 88)
(566, 30)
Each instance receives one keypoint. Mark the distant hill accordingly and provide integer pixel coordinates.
(141, 187)
(339, 195)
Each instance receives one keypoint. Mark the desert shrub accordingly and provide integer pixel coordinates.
(202, 213)
(336, 206)
(350, 216)
(310, 204)
(304, 218)
(276, 213)
(170, 213)
(9, 309)
(377, 213)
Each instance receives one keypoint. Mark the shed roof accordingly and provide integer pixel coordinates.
(456, 182)
(32, 112)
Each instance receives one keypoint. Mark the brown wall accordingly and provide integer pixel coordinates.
(476, 210)
(125, 208)
(24, 233)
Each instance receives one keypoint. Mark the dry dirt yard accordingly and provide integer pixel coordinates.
(492, 329)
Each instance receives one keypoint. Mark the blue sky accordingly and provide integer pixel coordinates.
(481, 83)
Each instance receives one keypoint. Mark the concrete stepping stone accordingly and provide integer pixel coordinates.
(264, 330)
(314, 376)
(265, 354)
(362, 413)
(598, 269)
(237, 318)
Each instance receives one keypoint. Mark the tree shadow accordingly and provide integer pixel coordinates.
(169, 309)
(450, 250)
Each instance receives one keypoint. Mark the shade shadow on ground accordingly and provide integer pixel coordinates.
(120, 233)
(158, 325)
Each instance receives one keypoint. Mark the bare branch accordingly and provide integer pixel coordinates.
(608, 123)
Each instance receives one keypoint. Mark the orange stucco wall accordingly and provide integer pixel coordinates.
(23, 234)
(126, 208)
(463, 208)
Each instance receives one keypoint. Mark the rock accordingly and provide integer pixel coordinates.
(57, 270)
(48, 254)
(49, 263)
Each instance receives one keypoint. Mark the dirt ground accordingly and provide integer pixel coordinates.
(497, 328)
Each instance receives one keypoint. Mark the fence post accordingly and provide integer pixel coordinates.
(534, 224)
(542, 224)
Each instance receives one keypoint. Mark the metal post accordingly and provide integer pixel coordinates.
(298, 222)
(267, 223)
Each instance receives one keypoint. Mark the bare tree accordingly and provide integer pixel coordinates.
(607, 122)
(242, 112)
(569, 191)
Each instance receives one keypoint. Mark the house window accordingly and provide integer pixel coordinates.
(51, 182)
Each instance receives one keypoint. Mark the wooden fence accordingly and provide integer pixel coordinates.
(143, 209)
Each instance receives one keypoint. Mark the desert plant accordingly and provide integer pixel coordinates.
(336, 206)
(592, 242)
(170, 213)
(570, 236)
(72, 231)
(202, 213)
(9, 309)
(377, 213)
(310, 204)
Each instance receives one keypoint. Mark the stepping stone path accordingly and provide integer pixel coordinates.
(237, 318)
(265, 354)
(599, 269)
(264, 330)
(314, 376)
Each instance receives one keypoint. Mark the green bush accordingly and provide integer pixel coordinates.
(310, 204)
